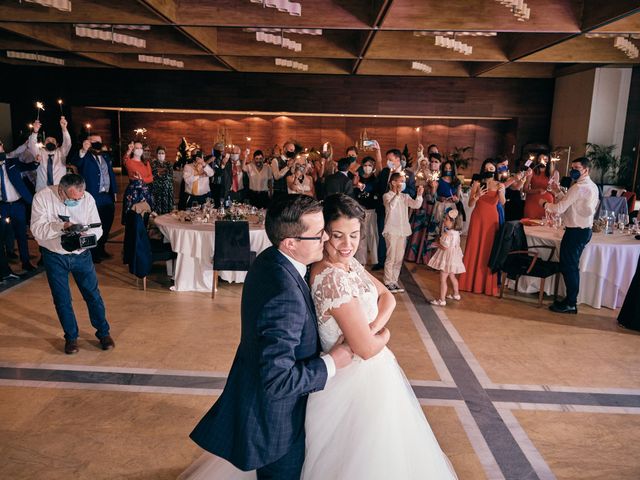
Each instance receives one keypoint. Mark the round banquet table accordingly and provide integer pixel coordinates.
(194, 244)
(607, 266)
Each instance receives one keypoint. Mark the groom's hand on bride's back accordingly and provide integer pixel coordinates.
(341, 353)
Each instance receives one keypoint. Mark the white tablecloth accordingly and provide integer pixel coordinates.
(607, 266)
(194, 245)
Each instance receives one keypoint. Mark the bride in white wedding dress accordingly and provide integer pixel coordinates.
(367, 423)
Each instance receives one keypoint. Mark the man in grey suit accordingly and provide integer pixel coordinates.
(258, 421)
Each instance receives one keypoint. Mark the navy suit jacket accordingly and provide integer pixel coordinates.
(14, 168)
(261, 411)
(89, 168)
(338, 182)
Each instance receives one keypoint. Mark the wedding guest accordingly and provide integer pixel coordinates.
(340, 182)
(513, 184)
(422, 227)
(140, 178)
(260, 179)
(300, 181)
(366, 193)
(196, 179)
(53, 159)
(234, 176)
(394, 165)
(397, 227)
(448, 258)
(216, 161)
(281, 168)
(577, 208)
(483, 227)
(162, 186)
(448, 195)
(58, 210)
(316, 169)
(536, 188)
(15, 199)
(95, 166)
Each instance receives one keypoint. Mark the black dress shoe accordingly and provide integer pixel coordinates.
(107, 342)
(27, 267)
(9, 276)
(563, 308)
(559, 303)
(71, 347)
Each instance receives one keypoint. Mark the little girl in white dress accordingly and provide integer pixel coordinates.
(448, 258)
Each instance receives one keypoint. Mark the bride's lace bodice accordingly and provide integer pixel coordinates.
(334, 287)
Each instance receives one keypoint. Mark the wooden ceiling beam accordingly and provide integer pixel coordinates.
(205, 37)
(597, 14)
(383, 9)
(51, 35)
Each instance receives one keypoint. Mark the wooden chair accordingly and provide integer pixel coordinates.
(232, 249)
(527, 263)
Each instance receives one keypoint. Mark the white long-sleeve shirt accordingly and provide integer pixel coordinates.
(42, 154)
(396, 205)
(258, 179)
(46, 224)
(190, 177)
(578, 206)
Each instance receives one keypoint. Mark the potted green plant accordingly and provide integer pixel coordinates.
(461, 156)
(611, 168)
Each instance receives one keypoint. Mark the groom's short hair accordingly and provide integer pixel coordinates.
(284, 217)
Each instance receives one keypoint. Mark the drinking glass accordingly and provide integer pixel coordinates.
(623, 221)
(195, 206)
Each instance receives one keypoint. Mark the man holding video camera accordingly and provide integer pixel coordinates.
(66, 225)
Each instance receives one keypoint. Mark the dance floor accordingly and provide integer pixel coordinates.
(511, 391)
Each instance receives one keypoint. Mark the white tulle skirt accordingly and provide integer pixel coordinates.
(366, 424)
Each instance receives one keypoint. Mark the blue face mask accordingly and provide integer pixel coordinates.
(448, 173)
(391, 165)
(574, 174)
(403, 185)
(503, 168)
(69, 202)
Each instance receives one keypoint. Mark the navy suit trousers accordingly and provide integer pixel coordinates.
(573, 242)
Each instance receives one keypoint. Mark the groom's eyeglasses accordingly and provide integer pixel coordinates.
(317, 239)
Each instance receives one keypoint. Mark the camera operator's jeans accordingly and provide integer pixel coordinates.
(81, 267)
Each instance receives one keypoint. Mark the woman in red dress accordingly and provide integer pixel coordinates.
(483, 227)
(536, 188)
(140, 178)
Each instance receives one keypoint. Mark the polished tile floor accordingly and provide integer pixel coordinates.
(510, 390)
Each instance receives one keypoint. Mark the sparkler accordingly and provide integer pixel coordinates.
(60, 104)
(39, 106)
(88, 127)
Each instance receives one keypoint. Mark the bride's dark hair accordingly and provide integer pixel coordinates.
(340, 205)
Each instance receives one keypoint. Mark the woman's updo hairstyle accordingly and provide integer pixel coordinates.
(339, 206)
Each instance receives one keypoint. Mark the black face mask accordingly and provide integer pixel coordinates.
(488, 175)
(50, 146)
(291, 154)
(217, 153)
(259, 163)
(96, 145)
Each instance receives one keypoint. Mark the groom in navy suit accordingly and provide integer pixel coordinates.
(258, 421)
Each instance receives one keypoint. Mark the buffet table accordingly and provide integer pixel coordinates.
(607, 266)
(194, 244)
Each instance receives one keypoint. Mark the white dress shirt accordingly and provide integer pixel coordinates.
(190, 177)
(12, 193)
(396, 220)
(579, 204)
(46, 224)
(302, 270)
(258, 179)
(42, 154)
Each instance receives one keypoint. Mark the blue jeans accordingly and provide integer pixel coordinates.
(81, 267)
(573, 242)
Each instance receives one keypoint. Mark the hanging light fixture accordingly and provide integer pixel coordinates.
(279, 40)
(453, 44)
(421, 67)
(283, 62)
(34, 57)
(109, 36)
(292, 8)
(519, 8)
(62, 5)
(626, 46)
(169, 62)
(299, 31)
